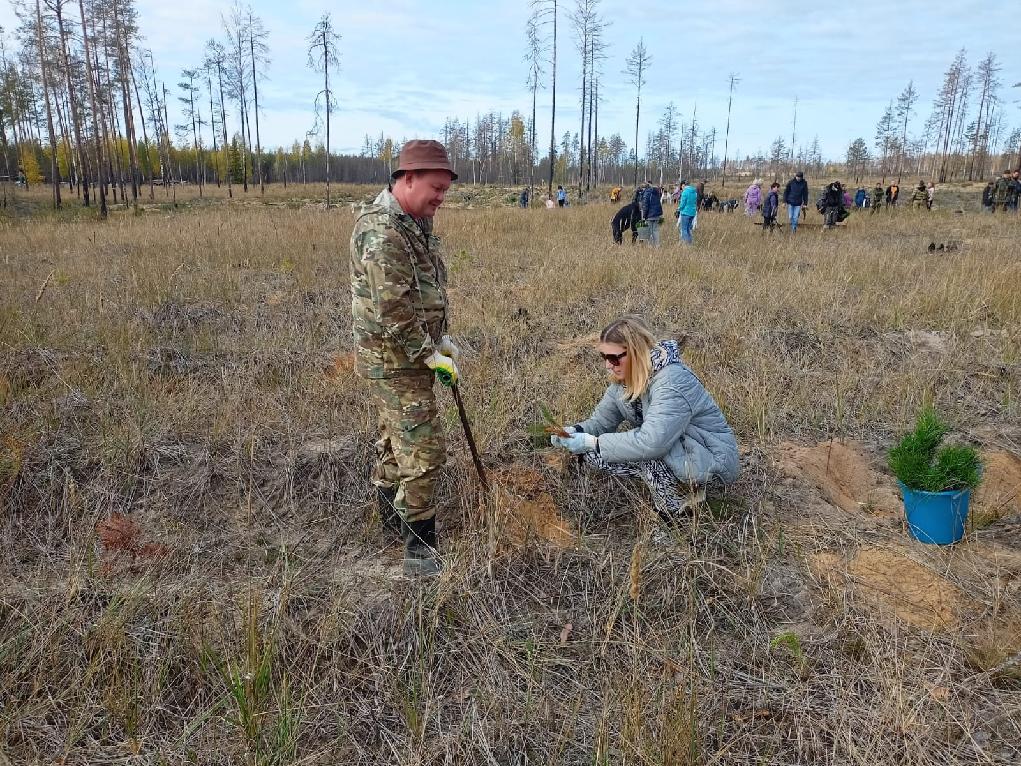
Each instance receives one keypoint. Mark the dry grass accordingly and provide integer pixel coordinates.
(178, 380)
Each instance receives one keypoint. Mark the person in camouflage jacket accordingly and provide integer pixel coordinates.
(399, 323)
(877, 198)
(1001, 191)
(920, 197)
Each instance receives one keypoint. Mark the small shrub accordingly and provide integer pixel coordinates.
(919, 463)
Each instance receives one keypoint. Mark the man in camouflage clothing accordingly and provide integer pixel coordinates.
(920, 197)
(1001, 191)
(399, 321)
(877, 198)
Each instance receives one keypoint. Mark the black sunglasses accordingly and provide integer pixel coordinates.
(613, 359)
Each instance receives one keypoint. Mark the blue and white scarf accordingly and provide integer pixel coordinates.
(663, 353)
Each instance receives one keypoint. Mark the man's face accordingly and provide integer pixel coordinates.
(423, 192)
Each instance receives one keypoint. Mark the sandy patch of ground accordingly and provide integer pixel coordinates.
(524, 510)
(999, 494)
(895, 585)
(844, 476)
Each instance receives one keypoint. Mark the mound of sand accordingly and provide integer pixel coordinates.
(526, 511)
(843, 475)
(999, 494)
(895, 585)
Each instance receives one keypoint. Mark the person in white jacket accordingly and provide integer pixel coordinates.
(680, 440)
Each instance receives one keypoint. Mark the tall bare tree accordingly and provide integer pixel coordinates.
(946, 111)
(43, 51)
(235, 25)
(145, 136)
(545, 13)
(988, 85)
(886, 138)
(156, 100)
(905, 105)
(734, 80)
(597, 55)
(534, 57)
(258, 53)
(6, 112)
(84, 177)
(584, 19)
(794, 131)
(323, 55)
(636, 67)
(94, 102)
(215, 62)
(191, 113)
(207, 75)
(123, 33)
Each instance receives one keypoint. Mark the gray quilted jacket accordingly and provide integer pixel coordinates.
(677, 421)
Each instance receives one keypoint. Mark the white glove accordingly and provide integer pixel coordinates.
(580, 443)
(560, 441)
(447, 347)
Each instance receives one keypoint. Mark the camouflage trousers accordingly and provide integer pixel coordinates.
(411, 448)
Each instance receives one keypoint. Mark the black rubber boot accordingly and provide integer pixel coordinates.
(420, 558)
(388, 515)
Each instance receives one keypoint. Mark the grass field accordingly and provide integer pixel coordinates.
(192, 571)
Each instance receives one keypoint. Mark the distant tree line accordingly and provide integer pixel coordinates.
(84, 109)
(965, 138)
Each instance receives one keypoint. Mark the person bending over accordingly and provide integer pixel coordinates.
(627, 218)
(680, 440)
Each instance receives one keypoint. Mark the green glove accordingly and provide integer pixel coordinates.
(444, 367)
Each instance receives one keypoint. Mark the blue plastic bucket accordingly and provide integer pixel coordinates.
(936, 518)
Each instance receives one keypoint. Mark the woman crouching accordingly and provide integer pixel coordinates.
(680, 441)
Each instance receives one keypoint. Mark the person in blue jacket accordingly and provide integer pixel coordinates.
(688, 209)
(680, 440)
(795, 196)
(770, 208)
(652, 211)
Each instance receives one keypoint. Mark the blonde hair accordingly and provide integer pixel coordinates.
(633, 334)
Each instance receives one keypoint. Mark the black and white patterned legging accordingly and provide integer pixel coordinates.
(657, 476)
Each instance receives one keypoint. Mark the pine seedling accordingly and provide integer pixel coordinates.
(919, 463)
(550, 424)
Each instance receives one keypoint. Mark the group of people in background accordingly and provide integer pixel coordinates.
(525, 199)
(643, 215)
(1003, 193)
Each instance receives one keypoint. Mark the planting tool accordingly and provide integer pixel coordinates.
(468, 435)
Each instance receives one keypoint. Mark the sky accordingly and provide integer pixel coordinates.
(406, 65)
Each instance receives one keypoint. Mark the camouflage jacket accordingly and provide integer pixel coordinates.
(1001, 191)
(398, 290)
